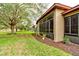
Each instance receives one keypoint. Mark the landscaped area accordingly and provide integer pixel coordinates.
(24, 33)
(23, 43)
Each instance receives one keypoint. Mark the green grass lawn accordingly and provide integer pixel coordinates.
(23, 43)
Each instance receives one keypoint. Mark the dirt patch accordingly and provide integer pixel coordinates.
(22, 36)
(70, 48)
(14, 49)
(25, 36)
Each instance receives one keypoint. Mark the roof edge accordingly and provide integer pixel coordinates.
(55, 5)
(72, 9)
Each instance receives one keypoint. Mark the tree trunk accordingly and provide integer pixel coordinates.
(16, 29)
(12, 29)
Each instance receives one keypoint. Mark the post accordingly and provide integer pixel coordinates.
(58, 26)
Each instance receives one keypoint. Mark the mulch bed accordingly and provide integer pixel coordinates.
(70, 48)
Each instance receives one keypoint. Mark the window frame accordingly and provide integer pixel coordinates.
(73, 24)
(67, 25)
(70, 33)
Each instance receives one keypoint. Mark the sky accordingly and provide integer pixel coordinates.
(66, 2)
(71, 3)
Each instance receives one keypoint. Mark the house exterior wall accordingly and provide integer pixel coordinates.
(74, 39)
(42, 21)
(58, 29)
(58, 25)
(78, 24)
(72, 13)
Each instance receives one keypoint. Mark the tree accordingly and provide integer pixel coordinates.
(11, 15)
(37, 10)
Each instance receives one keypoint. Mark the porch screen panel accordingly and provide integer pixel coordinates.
(43, 27)
(47, 27)
(74, 24)
(51, 25)
(66, 25)
(40, 28)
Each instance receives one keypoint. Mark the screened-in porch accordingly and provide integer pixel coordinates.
(71, 25)
(46, 27)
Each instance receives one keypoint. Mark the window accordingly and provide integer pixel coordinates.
(67, 24)
(71, 25)
(51, 25)
(40, 28)
(74, 24)
(47, 26)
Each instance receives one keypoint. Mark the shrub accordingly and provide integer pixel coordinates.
(66, 39)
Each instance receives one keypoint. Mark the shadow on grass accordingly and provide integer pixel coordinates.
(9, 35)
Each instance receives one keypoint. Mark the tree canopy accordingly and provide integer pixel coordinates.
(19, 15)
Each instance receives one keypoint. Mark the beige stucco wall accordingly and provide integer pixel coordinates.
(58, 25)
